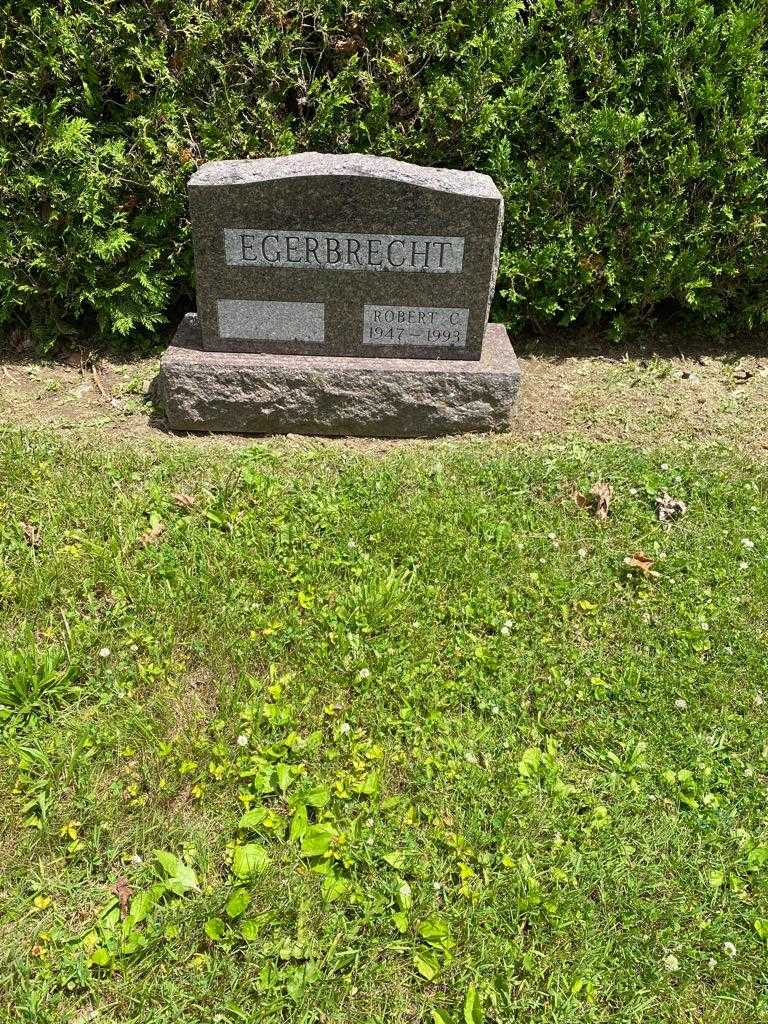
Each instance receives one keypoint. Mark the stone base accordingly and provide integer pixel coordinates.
(235, 392)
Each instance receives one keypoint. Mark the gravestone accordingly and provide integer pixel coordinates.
(341, 295)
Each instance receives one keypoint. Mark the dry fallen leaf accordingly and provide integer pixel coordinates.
(642, 563)
(97, 381)
(580, 500)
(669, 508)
(153, 534)
(123, 891)
(603, 494)
(32, 534)
(183, 500)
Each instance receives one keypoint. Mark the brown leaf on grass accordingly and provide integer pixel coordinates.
(152, 535)
(184, 500)
(123, 891)
(598, 500)
(603, 494)
(643, 564)
(33, 535)
(669, 508)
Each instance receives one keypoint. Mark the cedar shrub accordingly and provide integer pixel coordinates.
(630, 140)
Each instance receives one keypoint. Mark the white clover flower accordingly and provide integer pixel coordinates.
(104, 652)
(505, 630)
(346, 728)
(680, 704)
(364, 673)
(665, 466)
(582, 552)
(729, 948)
(242, 740)
(747, 543)
(671, 963)
(743, 565)
(757, 700)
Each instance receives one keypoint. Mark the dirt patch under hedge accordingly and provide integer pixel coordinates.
(662, 390)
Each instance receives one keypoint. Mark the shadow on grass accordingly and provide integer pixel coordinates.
(84, 351)
(669, 335)
(668, 339)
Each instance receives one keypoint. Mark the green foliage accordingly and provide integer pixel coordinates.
(629, 140)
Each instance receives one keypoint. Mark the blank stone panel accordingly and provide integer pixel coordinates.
(302, 322)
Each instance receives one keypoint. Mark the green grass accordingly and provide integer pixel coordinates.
(490, 770)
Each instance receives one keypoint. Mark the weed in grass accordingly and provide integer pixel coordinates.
(33, 682)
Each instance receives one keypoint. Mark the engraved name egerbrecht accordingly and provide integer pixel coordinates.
(321, 250)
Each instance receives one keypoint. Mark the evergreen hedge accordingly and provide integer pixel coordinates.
(629, 139)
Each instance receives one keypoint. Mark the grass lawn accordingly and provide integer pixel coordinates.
(302, 734)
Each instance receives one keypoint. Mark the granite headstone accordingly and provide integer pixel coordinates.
(344, 255)
(341, 295)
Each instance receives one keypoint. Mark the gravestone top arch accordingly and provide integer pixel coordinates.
(299, 165)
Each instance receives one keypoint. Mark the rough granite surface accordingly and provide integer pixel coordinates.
(234, 392)
(442, 179)
(279, 201)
